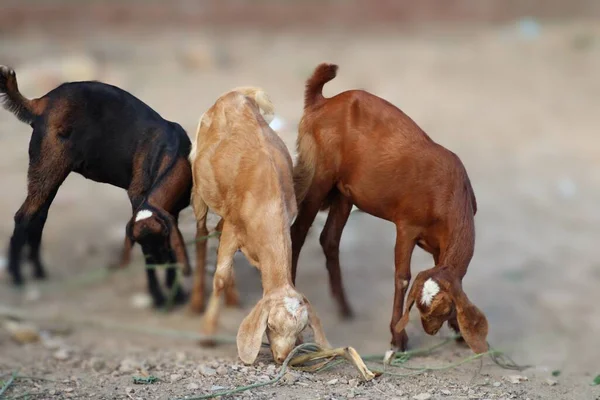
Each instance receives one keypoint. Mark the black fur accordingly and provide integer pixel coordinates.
(109, 136)
(10, 98)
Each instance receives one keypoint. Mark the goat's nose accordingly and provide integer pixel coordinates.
(280, 359)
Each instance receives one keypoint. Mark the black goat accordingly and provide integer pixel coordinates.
(109, 136)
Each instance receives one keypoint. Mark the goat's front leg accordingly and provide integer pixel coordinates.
(232, 298)
(405, 244)
(156, 293)
(339, 211)
(222, 281)
(126, 252)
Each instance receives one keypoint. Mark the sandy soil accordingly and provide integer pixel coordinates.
(522, 115)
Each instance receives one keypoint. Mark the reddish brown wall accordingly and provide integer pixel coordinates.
(68, 14)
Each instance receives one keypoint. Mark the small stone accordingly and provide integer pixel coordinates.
(215, 388)
(222, 370)
(332, 382)
(69, 390)
(192, 386)
(207, 371)
(128, 365)
(446, 392)
(129, 389)
(263, 378)
(422, 396)
(180, 357)
(22, 332)
(97, 364)
(551, 382)
(270, 369)
(174, 378)
(303, 384)
(353, 383)
(496, 384)
(61, 354)
(517, 378)
(52, 392)
(289, 378)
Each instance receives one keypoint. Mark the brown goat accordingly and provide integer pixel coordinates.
(358, 149)
(243, 171)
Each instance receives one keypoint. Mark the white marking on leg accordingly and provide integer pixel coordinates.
(430, 290)
(292, 305)
(143, 214)
(405, 284)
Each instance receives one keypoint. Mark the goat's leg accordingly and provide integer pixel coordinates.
(126, 252)
(44, 179)
(158, 298)
(171, 277)
(339, 212)
(34, 238)
(405, 244)
(201, 212)
(223, 278)
(232, 297)
(307, 211)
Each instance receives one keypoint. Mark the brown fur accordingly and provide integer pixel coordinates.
(356, 148)
(243, 172)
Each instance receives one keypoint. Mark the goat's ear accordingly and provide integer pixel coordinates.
(471, 321)
(249, 336)
(410, 301)
(315, 325)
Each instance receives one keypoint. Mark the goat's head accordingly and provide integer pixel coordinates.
(439, 297)
(283, 314)
(149, 223)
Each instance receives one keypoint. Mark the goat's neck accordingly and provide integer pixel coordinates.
(276, 273)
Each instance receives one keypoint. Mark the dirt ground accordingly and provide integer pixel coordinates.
(522, 113)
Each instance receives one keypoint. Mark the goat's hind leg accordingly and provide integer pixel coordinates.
(44, 178)
(339, 212)
(307, 211)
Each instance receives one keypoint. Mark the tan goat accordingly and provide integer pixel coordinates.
(243, 171)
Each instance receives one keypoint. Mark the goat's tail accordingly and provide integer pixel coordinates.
(304, 169)
(262, 100)
(12, 100)
(313, 93)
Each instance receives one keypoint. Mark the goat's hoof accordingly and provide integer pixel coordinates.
(18, 281)
(158, 302)
(347, 314)
(40, 274)
(389, 356)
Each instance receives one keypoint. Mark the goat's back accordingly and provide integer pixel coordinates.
(242, 168)
(383, 160)
(103, 127)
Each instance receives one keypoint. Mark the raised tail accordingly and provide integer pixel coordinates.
(313, 93)
(262, 100)
(12, 100)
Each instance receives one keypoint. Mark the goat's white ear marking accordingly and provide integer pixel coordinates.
(430, 290)
(292, 305)
(143, 214)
